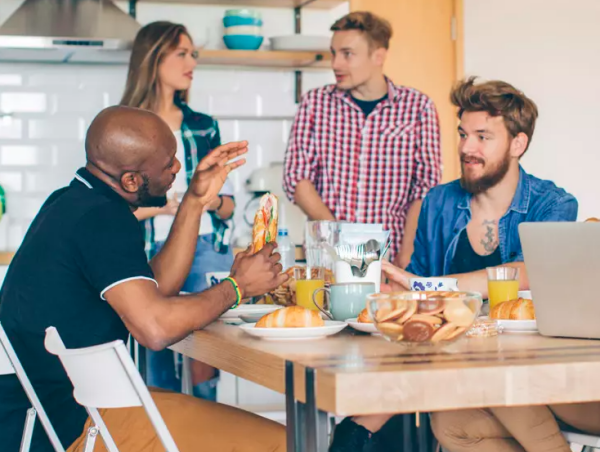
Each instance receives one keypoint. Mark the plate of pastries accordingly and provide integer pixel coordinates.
(293, 323)
(516, 316)
(363, 323)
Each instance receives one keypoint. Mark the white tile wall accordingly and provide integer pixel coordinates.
(45, 109)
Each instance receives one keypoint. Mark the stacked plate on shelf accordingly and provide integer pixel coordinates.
(300, 43)
(243, 29)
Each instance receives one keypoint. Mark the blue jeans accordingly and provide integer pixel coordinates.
(162, 368)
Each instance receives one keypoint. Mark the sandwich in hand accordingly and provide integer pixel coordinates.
(265, 222)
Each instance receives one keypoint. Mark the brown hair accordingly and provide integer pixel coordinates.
(150, 46)
(497, 99)
(377, 30)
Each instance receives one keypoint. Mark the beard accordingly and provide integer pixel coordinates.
(489, 179)
(146, 199)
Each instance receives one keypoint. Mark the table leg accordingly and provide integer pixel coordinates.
(301, 433)
(291, 410)
(187, 384)
(316, 420)
(427, 441)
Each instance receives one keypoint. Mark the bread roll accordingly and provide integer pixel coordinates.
(265, 222)
(521, 309)
(291, 317)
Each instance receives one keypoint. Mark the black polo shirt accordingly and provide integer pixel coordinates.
(84, 240)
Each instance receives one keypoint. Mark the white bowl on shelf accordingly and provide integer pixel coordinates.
(244, 30)
(300, 43)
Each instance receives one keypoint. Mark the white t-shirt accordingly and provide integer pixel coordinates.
(163, 223)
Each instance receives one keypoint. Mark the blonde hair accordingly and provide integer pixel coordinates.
(152, 43)
(377, 30)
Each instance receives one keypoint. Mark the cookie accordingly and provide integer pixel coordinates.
(457, 313)
(433, 320)
(390, 328)
(390, 314)
(411, 309)
(418, 331)
(444, 332)
(431, 306)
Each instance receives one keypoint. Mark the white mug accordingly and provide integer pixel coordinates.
(433, 284)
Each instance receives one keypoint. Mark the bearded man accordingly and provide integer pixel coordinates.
(472, 223)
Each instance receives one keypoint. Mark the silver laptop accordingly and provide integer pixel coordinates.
(563, 266)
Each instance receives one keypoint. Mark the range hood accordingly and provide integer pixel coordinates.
(68, 31)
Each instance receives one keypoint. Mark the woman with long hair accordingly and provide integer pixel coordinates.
(160, 75)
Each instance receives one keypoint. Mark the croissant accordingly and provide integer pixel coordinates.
(521, 309)
(364, 317)
(291, 317)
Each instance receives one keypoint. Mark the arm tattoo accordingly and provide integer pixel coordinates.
(489, 242)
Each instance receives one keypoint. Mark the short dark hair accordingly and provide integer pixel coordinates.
(497, 98)
(377, 29)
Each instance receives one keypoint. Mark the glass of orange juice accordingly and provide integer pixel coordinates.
(503, 284)
(308, 280)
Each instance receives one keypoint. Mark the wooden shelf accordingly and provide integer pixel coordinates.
(265, 59)
(315, 4)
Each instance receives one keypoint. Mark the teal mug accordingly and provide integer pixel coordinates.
(344, 300)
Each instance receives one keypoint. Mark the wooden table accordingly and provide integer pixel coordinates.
(360, 374)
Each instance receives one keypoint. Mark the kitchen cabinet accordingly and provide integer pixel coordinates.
(426, 53)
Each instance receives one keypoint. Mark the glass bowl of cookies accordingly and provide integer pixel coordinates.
(424, 318)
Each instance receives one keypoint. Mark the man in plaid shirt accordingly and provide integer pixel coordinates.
(364, 150)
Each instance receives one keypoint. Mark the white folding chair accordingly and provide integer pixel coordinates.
(589, 442)
(104, 376)
(10, 364)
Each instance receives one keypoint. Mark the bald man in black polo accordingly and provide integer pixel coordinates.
(82, 269)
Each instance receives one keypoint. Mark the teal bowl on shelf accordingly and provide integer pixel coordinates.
(242, 42)
(243, 13)
(237, 21)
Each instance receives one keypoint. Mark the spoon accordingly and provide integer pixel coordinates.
(372, 250)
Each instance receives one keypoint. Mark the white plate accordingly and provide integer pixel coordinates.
(517, 326)
(300, 42)
(317, 332)
(364, 327)
(525, 294)
(249, 309)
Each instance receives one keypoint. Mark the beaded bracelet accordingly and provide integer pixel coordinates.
(238, 292)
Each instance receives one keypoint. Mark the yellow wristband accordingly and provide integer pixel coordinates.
(238, 292)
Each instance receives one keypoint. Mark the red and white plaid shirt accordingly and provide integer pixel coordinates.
(366, 169)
